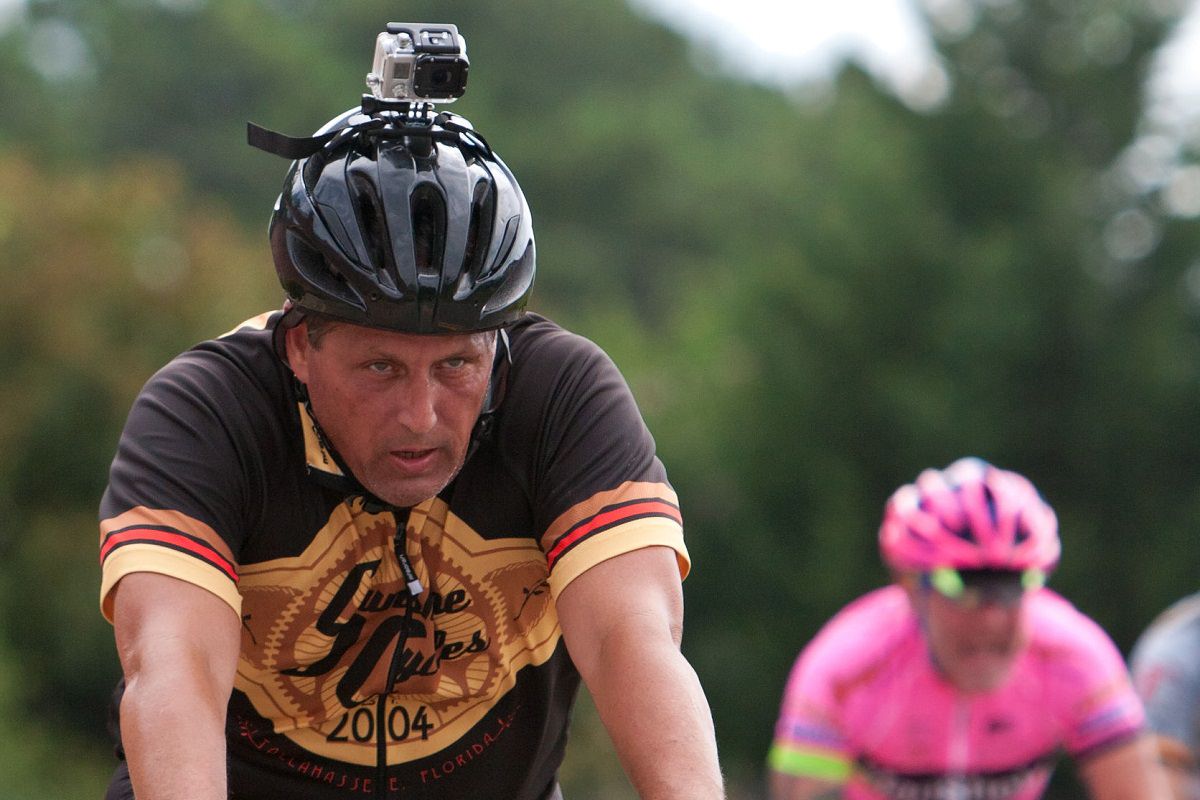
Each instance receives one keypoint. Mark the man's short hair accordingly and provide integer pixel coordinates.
(318, 324)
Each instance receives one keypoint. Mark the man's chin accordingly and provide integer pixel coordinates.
(408, 491)
(982, 674)
(407, 496)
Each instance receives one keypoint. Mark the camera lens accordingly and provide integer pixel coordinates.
(439, 77)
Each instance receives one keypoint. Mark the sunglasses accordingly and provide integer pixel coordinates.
(971, 589)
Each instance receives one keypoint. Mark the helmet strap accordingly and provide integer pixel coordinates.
(379, 118)
(497, 388)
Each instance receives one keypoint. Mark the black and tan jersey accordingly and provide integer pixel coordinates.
(222, 480)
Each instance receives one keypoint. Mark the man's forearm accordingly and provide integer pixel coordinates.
(1128, 771)
(174, 743)
(656, 713)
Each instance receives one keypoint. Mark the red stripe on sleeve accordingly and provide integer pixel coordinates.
(613, 517)
(174, 539)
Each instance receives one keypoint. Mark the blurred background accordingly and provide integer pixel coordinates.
(818, 282)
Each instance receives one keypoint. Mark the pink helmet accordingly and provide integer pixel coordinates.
(970, 515)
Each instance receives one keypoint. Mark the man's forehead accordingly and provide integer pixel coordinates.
(363, 336)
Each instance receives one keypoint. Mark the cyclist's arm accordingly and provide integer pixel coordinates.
(622, 621)
(1128, 771)
(179, 646)
(809, 758)
(783, 786)
(1179, 763)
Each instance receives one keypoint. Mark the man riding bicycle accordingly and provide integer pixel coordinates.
(368, 546)
(965, 678)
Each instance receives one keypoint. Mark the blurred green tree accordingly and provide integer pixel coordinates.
(105, 275)
(813, 301)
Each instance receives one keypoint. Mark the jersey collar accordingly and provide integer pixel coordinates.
(318, 455)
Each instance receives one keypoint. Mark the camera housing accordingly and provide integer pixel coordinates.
(419, 63)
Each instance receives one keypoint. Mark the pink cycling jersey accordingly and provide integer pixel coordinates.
(866, 705)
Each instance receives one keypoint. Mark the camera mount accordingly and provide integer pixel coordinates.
(416, 66)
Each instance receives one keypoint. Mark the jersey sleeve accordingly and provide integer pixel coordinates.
(809, 740)
(1100, 706)
(1166, 674)
(599, 489)
(179, 481)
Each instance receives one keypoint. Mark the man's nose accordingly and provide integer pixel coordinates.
(994, 613)
(416, 407)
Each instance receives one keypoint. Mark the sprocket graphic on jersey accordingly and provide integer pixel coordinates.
(321, 630)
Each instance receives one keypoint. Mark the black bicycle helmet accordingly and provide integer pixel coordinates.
(421, 233)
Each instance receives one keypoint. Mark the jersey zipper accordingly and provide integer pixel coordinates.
(414, 587)
(959, 755)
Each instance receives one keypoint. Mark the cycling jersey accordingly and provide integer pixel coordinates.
(223, 480)
(865, 704)
(1166, 672)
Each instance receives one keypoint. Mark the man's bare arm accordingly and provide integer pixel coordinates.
(622, 621)
(1129, 771)
(179, 649)
(782, 786)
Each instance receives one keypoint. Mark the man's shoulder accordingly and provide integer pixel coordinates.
(555, 366)
(1055, 618)
(1066, 640)
(878, 609)
(230, 384)
(1182, 618)
(540, 337)
(242, 355)
(865, 631)
(1173, 634)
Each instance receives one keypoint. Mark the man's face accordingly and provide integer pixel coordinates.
(399, 408)
(973, 644)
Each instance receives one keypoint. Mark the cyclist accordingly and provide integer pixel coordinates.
(965, 677)
(368, 546)
(1166, 673)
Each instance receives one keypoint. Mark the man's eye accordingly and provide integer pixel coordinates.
(455, 363)
(379, 366)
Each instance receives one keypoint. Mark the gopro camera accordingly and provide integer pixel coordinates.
(419, 63)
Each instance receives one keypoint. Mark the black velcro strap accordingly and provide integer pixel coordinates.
(283, 145)
(295, 147)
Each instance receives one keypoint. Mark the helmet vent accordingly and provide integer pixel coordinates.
(989, 498)
(479, 234)
(371, 222)
(506, 242)
(1022, 532)
(313, 268)
(428, 229)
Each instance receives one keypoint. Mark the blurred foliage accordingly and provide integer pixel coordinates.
(812, 300)
(41, 761)
(105, 274)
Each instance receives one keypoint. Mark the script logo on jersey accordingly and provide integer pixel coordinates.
(322, 629)
(1025, 782)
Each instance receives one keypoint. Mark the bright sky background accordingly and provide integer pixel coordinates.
(801, 45)
(804, 41)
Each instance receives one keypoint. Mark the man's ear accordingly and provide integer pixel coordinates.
(298, 347)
